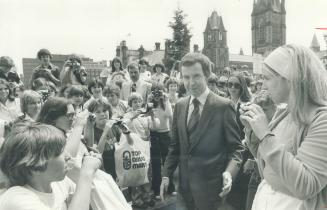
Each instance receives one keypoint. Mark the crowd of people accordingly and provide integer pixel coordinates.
(240, 141)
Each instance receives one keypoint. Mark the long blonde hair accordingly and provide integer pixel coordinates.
(308, 83)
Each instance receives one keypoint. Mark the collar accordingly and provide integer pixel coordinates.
(138, 82)
(50, 66)
(202, 98)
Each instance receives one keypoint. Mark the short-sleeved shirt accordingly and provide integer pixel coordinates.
(27, 198)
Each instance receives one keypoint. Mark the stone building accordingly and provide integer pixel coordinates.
(215, 42)
(268, 25)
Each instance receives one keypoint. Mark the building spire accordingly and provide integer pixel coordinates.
(315, 46)
(241, 51)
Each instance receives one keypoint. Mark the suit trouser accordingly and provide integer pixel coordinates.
(181, 204)
(159, 150)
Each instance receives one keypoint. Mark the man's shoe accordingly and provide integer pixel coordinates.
(151, 203)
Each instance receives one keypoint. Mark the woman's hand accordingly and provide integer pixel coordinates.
(247, 126)
(256, 119)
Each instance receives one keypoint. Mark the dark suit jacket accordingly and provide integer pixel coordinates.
(216, 147)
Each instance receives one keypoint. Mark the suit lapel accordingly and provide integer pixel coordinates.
(205, 118)
(183, 118)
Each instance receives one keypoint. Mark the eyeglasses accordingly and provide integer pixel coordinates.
(235, 85)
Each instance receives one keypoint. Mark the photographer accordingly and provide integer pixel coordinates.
(46, 69)
(98, 133)
(160, 137)
(8, 70)
(45, 88)
(141, 122)
(73, 72)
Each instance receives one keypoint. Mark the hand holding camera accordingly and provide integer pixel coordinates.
(46, 73)
(253, 117)
(243, 112)
(91, 119)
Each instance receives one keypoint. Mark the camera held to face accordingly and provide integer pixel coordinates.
(157, 94)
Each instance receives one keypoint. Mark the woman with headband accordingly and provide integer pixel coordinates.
(291, 149)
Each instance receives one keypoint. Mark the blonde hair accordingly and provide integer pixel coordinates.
(134, 96)
(29, 96)
(308, 82)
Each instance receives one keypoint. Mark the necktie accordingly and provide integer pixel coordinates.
(195, 117)
(133, 88)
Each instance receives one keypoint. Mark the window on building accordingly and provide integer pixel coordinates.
(262, 33)
(210, 37)
(220, 36)
(276, 34)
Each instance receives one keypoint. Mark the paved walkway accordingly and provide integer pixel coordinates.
(168, 204)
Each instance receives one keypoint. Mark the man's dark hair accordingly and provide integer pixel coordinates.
(192, 58)
(43, 52)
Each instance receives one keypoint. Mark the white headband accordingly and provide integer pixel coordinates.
(280, 60)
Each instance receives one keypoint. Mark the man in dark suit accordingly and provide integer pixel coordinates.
(205, 141)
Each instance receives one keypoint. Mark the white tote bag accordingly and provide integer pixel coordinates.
(132, 161)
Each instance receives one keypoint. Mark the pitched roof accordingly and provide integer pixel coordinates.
(272, 5)
(215, 22)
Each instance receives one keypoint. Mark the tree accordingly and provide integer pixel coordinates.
(180, 44)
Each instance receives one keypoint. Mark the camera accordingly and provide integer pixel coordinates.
(157, 93)
(92, 117)
(148, 108)
(44, 94)
(120, 124)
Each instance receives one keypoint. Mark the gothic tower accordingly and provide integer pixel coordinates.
(215, 42)
(268, 25)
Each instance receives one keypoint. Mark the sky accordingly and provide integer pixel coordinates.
(95, 27)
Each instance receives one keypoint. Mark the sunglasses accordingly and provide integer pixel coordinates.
(235, 85)
(221, 84)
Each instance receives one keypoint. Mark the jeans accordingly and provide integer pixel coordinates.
(159, 151)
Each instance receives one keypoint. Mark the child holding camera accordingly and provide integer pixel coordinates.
(141, 122)
(160, 137)
(98, 133)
